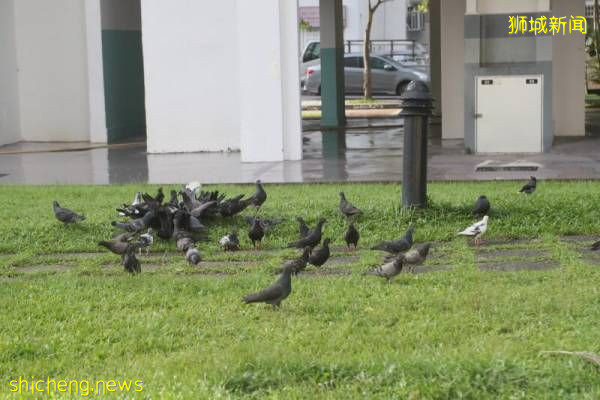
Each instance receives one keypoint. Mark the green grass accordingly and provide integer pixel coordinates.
(460, 333)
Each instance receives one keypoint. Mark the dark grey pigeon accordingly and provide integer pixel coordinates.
(275, 293)
(135, 225)
(352, 236)
(347, 208)
(390, 269)
(193, 256)
(313, 238)
(320, 255)
(65, 215)
(256, 232)
(130, 262)
(118, 245)
(298, 264)
(397, 246)
(482, 206)
(260, 196)
(596, 245)
(265, 223)
(303, 229)
(529, 187)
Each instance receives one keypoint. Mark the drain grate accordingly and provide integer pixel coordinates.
(491, 166)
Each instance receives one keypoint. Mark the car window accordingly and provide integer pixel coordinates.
(353, 62)
(378, 63)
(313, 52)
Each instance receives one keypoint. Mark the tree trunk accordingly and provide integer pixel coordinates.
(596, 32)
(367, 90)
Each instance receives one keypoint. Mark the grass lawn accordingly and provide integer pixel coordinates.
(458, 333)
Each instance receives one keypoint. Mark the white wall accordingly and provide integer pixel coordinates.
(568, 74)
(10, 131)
(507, 6)
(191, 75)
(270, 125)
(453, 68)
(52, 59)
(97, 112)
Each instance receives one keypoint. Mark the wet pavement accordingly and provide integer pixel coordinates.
(371, 150)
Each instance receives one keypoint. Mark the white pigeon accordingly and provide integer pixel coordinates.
(476, 230)
(146, 240)
(193, 186)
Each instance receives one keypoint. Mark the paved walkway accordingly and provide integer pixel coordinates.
(371, 150)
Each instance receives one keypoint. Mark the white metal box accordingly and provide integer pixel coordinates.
(508, 115)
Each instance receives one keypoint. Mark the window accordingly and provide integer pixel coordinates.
(353, 62)
(313, 51)
(378, 63)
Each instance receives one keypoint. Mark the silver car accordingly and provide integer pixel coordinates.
(387, 75)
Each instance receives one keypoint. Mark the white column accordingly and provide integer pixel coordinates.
(568, 73)
(10, 124)
(453, 68)
(269, 100)
(96, 106)
(191, 74)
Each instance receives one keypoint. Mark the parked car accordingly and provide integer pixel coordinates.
(387, 75)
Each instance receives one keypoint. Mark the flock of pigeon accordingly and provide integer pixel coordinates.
(181, 219)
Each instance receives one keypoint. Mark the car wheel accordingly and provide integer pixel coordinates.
(401, 88)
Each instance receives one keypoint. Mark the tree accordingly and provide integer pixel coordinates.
(372, 7)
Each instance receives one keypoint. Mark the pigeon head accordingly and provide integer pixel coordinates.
(410, 230)
(300, 219)
(533, 178)
(258, 182)
(55, 204)
(482, 197)
(322, 221)
(342, 195)
(326, 242)
(150, 231)
(485, 219)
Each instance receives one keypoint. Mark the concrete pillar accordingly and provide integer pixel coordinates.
(10, 124)
(97, 122)
(568, 73)
(269, 71)
(453, 68)
(435, 55)
(332, 63)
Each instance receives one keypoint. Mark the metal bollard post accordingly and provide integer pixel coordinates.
(416, 104)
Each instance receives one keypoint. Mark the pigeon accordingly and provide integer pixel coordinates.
(298, 264)
(256, 232)
(133, 210)
(230, 242)
(118, 245)
(476, 230)
(235, 205)
(265, 223)
(416, 255)
(146, 240)
(192, 255)
(135, 225)
(320, 256)
(347, 208)
(131, 264)
(529, 187)
(313, 238)
(303, 229)
(65, 215)
(482, 206)
(397, 246)
(596, 245)
(390, 269)
(184, 243)
(351, 236)
(193, 187)
(259, 197)
(275, 293)
(160, 196)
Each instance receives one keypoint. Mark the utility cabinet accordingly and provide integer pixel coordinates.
(509, 114)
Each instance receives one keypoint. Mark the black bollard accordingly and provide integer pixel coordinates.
(416, 104)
